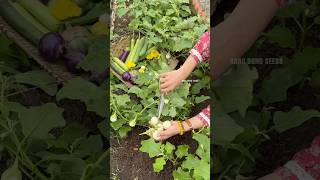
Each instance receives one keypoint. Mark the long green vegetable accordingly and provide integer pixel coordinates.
(133, 51)
(29, 17)
(135, 56)
(26, 28)
(40, 12)
(120, 63)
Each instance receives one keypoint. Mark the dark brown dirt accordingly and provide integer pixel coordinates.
(128, 163)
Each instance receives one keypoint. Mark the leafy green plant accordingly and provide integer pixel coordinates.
(168, 24)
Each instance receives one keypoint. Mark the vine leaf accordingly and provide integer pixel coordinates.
(158, 164)
(295, 117)
(38, 78)
(291, 74)
(202, 170)
(87, 92)
(283, 36)
(96, 58)
(180, 174)
(235, 89)
(151, 147)
(182, 151)
(37, 121)
(169, 148)
(224, 127)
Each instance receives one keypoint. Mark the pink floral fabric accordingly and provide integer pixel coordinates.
(305, 164)
(201, 51)
(204, 116)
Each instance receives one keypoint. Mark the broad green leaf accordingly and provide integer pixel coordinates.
(96, 58)
(72, 169)
(282, 36)
(223, 126)
(116, 125)
(122, 100)
(169, 148)
(87, 92)
(38, 78)
(71, 133)
(179, 174)
(182, 151)
(88, 146)
(37, 121)
(282, 79)
(190, 163)
(151, 147)
(202, 170)
(201, 99)
(12, 173)
(202, 140)
(292, 10)
(122, 11)
(291, 74)
(158, 164)
(235, 89)
(123, 131)
(295, 117)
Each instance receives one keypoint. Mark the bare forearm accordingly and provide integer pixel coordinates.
(196, 124)
(233, 37)
(187, 67)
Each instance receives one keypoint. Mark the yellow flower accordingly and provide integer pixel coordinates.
(149, 56)
(130, 64)
(64, 9)
(141, 70)
(153, 54)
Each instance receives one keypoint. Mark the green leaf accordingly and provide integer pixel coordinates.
(88, 146)
(201, 98)
(202, 170)
(190, 163)
(71, 133)
(177, 101)
(122, 11)
(179, 174)
(224, 127)
(158, 164)
(123, 131)
(12, 173)
(72, 169)
(169, 148)
(182, 151)
(235, 89)
(203, 140)
(37, 121)
(96, 58)
(282, 36)
(87, 92)
(282, 79)
(151, 147)
(292, 10)
(178, 44)
(294, 118)
(38, 78)
(122, 100)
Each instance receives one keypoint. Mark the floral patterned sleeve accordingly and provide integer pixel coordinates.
(201, 51)
(305, 164)
(204, 116)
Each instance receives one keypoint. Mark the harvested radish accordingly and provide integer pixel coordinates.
(154, 121)
(155, 135)
(113, 117)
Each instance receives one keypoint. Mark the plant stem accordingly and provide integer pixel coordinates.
(93, 166)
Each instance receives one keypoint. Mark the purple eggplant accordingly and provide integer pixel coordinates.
(124, 55)
(126, 76)
(51, 46)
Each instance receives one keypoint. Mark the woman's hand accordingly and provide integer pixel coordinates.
(170, 80)
(171, 131)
